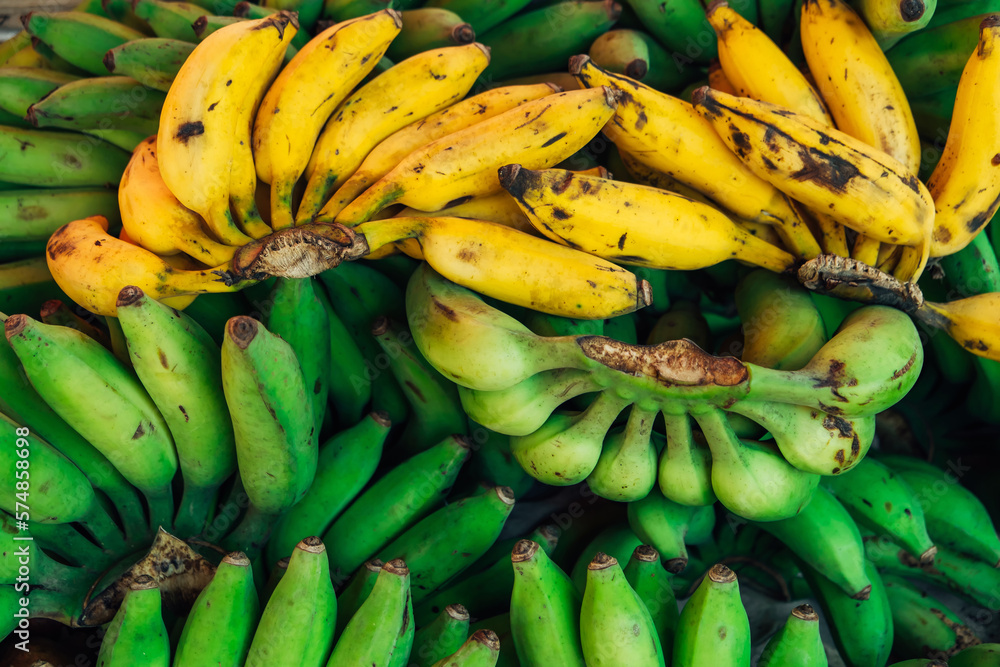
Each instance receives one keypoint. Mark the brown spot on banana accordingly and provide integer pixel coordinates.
(675, 362)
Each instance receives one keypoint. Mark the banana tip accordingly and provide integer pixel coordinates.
(396, 15)
(991, 21)
(720, 574)
(485, 49)
(523, 550)
(646, 553)
(396, 566)
(805, 612)
(675, 565)
(507, 175)
(636, 69)
(381, 417)
(129, 295)
(613, 9)
(380, 325)
(644, 293)
(239, 559)
(699, 95)
(602, 561)
(242, 330)
(374, 564)
(14, 325)
(715, 4)
(863, 594)
(457, 612)
(463, 34)
(283, 563)
(487, 638)
(911, 10)
(26, 19)
(109, 60)
(577, 63)
(49, 308)
(311, 544)
(927, 557)
(505, 494)
(198, 26)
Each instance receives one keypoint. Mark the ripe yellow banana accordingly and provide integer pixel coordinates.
(634, 224)
(719, 80)
(973, 322)
(964, 185)
(667, 134)
(411, 90)
(500, 208)
(92, 266)
(155, 220)
(464, 164)
(307, 91)
(458, 116)
(825, 169)
(195, 142)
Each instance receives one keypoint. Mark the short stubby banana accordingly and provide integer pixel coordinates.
(634, 224)
(825, 169)
(204, 104)
(306, 93)
(415, 88)
(965, 185)
(462, 165)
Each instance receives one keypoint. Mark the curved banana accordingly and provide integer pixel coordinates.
(685, 468)
(627, 469)
(797, 642)
(136, 634)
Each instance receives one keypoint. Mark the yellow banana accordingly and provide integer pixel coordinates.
(719, 79)
(92, 266)
(408, 91)
(964, 185)
(859, 186)
(155, 220)
(195, 142)
(458, 116)
(464, 164)
(667, 134)
(865, 97)
(307, 91)
(973, 322)
(634, 224)
(499, 208)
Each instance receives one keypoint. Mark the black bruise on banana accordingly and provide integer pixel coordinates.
(671, 363)
(851, 280)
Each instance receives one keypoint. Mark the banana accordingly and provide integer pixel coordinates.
(440, 638)
(824, 535)
(91, 266)
(435, 79)
(20, 87)
(932, 60)
(276, 439)
(713, 627)
(882, 501)
(386, 155)
(621, 51)
(954, 516)
(650, 581)
(152, 61)
(428, 28)
(206, 25)
(33, 214)
(56, 312)
(196, 141)
(627, 468)
(446, 542)
(544, 610)
(154, 218)
(499, 207)
(393, 504)
(633, 224)
(976, 656)
(539, 133)
(308, 11)
(353, 595)
(892, 21)
(346, 463)
(106, 404)
(481, 15)
(923, 625)
(643, 120)
(616, 540)
(137, 634)
(797, 642)
(370, 635)
(681, 27)
(664, 525)
(220, 626)
(685, 467)
(80, 38)
(45, 158)
(482, 649)
(178, 364)
(169, 20)
(296, 627)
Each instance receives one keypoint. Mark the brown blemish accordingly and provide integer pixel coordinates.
(675, 362)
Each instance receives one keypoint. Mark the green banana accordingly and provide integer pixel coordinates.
(681, 26)
(931, 60)
(300, 318)
(346, 463)
(627, 468)
(713, 627)
(355, 593)
(152, 61)
(543, 40)
(882, 501)
(404, 638)
(482, 14)
(435, 411)
(248, 10)
(797, 642)
(296, 627)
(621, 51)
(25, 283)
(169, 20)
(932, 114)
(890, 22)
(179, 365)
(682, 319)
(221, 624)
(403, 496)
(984, 655)
(446, 542)
(206, 25)
(544, 610)
(824, 535)
(493, 464)
(650, 581)
(137, 634)
(774, 16)
(429, 28)
(618, 540)
(20, 87)
(923, 625)
(308, 11)
(664, 524)
(273, 577)
(441, 637)
(482, 649)
(34, 214)
(272, 415)
(347, 389)
(42, 158)
(685, 467)
(105, 403)
(370, 635)
(972, 270)
(56, 312)
(79, 38)
(954, 516)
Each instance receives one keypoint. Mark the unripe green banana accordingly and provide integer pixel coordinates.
(106, 102)
(664, 524)
(80, 38)
(43, 158)
(440, 638)
(881, 500)
(984, 655)
(493, 464)
(370, 635)
(429, 28)
(179, 365)
(797, 642)
(544, 610)
(296, 627)
(346, 463)
(617, 540)
(824, 535)
(300, 318)
(443, 544)
(355, 593)
(921, 624)
(481, 15)
(713, 628)
(136, 634)
(169, 20)
(220, 626)
(273, 577)
(152, 61)
(932, 59)
(403, 496)
(20, 87)
(482, 649)
(650, 581)
(626, 470)
(347, 389)
(685, 468)
(272, 415)
(206, 25)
